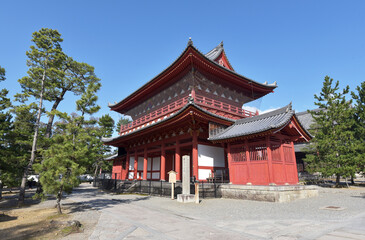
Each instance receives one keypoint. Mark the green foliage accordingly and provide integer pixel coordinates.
(2, 74)
(359, 116)
(87, 103)
(63, 160)
(97, 150)
(122, 121)
(44, 60)
(332, 150)
(20, 144)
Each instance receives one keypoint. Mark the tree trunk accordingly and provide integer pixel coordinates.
(1, 190)
(95, 173)
(352, 180)
(59, 197)
(51, 117)
(338, 180)
(34, 146)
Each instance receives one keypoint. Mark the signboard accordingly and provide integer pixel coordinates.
(172, 176)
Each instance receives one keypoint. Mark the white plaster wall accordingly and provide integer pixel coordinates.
(204, 174)
(209, 156)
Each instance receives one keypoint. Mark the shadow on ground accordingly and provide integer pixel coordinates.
(27, 231)
(99, 204)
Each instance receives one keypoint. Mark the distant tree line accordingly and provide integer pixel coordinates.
(59, 151)
(338, 146)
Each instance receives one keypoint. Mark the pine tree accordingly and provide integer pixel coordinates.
(63, 160)
(332, 149)
(74, 77)
(359, 117)
(98, 150)
(122, 121)
(5, 129)
(44, 60)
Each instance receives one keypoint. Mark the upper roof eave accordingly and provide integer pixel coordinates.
(115, 106)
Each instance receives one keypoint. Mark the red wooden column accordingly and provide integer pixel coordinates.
(127, 165)
(283, 159)
(295, 170)
(135, 164)
(229, 160)
(249, 174)
(145, 164)
(178, 161)
(269, 160)
(195, 155)
(163, 163)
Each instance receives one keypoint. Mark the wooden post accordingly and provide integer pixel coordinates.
(269, 160)
(295, 170)
(135, 164)
(178, 161)
(145, 164)
(172, 191)
(229, 160)
(195, 155)
(163, 163)
(247, 150)
(197, 193)
(127, 165)
(282, 156)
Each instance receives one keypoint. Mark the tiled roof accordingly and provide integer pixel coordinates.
(306, 118)
(215, 52)
(209, 56)
(247, 126)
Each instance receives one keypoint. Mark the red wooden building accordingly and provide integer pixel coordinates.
(194, 107)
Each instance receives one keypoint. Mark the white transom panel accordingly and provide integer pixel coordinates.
(209, 156)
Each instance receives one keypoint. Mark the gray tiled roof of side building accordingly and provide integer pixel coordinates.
(247, 126)
(306, 118)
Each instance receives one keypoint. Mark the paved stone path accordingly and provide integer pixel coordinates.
(109, 216)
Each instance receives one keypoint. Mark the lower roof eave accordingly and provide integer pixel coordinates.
(183, 113)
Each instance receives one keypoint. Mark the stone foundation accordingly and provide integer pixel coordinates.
(268, 193)
(186, 198)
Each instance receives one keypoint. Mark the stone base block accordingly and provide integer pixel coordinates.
(186, 198)
(284, 193)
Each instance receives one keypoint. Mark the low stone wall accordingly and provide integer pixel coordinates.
(268, 193)
(158, 188)
(285, 193)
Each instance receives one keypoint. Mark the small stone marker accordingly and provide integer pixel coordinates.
(185, 197)
(172, 180)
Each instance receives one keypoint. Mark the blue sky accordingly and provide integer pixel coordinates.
(295, 43)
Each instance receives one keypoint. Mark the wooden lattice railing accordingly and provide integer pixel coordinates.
(174, 106)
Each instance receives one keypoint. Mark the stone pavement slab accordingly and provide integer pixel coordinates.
(145, 217)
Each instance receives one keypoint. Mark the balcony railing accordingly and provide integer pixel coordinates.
(172, 107)
(155, 114)
(211, 103)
